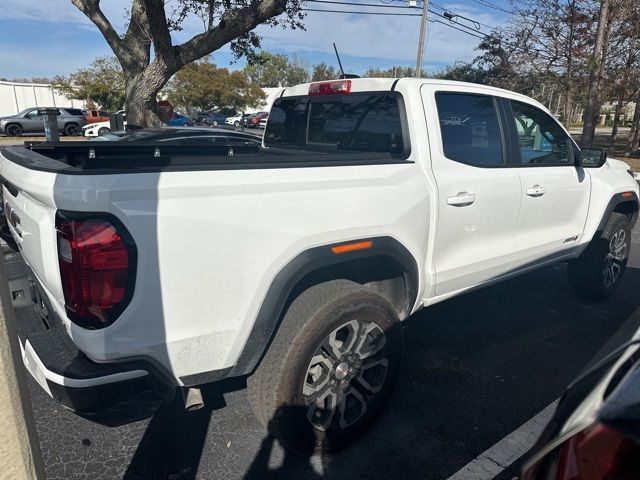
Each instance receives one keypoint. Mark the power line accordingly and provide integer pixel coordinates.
(485, 3)
(352, 12)
(481, 37)
(360, 13)
(473, 32)
(440, 7)
(478, 34)
(359, 4)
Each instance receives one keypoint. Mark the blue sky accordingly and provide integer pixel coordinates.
(42, 38)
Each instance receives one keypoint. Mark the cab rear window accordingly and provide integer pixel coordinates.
(75, 112)
(360, 122)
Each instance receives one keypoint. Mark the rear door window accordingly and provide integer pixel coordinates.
(470, 129)
(360, 122)
(74, 112)
(541, 139)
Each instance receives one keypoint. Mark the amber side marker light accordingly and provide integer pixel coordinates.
(350, 247)
(627, 195)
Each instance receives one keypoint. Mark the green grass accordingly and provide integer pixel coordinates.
(634, 162)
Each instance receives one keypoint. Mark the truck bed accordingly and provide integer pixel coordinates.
(77, 158)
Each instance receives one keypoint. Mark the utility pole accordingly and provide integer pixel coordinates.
(423, 29)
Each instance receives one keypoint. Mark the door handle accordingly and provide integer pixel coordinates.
(536, 191)
(462, 199)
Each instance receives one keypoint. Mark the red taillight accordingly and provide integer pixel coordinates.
(97, 268)
(599, 453)
(330, 88)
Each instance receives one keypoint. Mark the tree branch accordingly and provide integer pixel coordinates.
(138, 38)
(159, 29)
(233, 24)
(91, 9)
(210, 10)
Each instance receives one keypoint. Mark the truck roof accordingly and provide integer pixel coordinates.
(386, 84)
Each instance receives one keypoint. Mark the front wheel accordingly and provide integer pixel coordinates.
(596, 274)
(13, 130)
(103, 131)
(236, 123)
(330, 369)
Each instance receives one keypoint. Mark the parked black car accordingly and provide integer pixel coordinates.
(70, 122)
(213, 119)
(595, 431)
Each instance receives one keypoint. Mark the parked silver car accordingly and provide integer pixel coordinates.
(70, 122)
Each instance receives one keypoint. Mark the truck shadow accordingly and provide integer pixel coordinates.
(475, 368)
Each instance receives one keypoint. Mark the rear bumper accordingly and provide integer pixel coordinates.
(78, 383)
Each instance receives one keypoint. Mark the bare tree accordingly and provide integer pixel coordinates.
(150, 29)
(634, 135)
(594, 102)
(625, 80)
(551, 41)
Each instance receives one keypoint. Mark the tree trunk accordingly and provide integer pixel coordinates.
(623, 91)
(592, 106)
(566, 112)
(616, 124)
(142, 90)
(635, 131)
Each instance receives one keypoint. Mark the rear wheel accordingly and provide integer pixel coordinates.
(72, 130)
(330, 369)
(103, 131)
(598, 272)
(13, 130)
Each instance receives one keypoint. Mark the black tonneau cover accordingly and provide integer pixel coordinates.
(104, 158)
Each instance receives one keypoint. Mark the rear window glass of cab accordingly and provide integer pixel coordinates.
(356, 122)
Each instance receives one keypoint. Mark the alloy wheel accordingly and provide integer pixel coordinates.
(345, 374)
(72, 130)
(615, 258)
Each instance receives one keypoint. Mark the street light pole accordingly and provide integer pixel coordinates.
(423, 29)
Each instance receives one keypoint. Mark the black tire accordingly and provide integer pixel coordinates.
(350, 313)
(236, 123)
(103, 131)
(13, 130)
(596, 274)
(72, 130)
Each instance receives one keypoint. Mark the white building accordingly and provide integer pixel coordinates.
(15, 97)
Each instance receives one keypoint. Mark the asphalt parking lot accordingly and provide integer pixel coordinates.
(475, 368)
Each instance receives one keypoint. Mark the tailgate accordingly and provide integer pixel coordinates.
(30, 210)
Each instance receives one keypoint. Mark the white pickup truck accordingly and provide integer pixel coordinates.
(168, 267)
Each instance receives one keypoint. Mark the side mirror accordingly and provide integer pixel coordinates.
(593, 157)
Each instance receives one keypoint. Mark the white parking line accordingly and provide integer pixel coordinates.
(489, 464)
